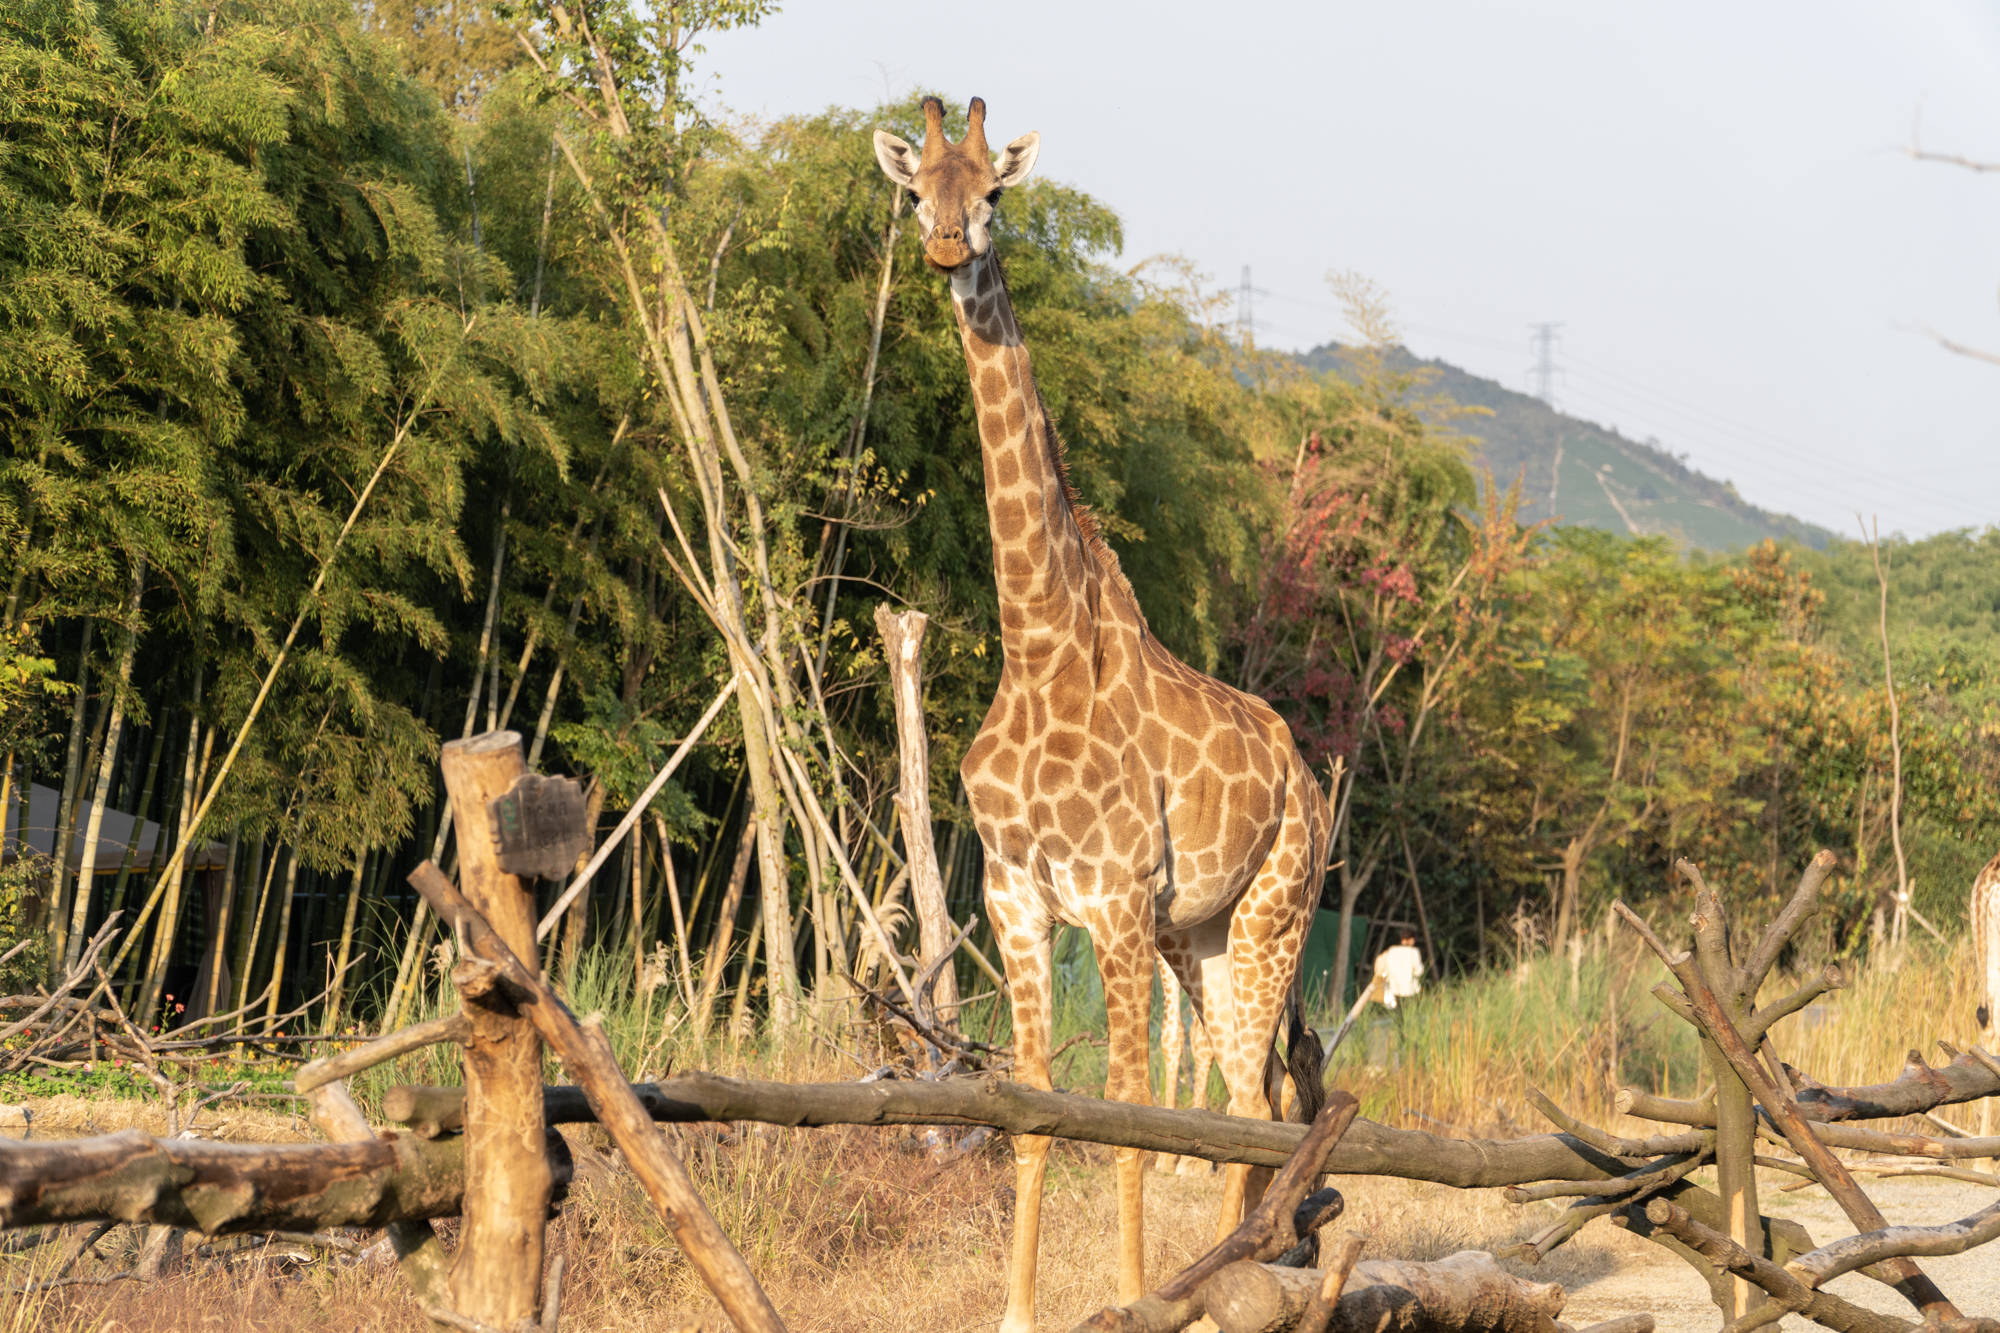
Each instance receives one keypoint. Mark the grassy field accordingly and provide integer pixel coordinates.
(895, 1230)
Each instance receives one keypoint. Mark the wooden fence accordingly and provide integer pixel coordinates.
(489, 1153)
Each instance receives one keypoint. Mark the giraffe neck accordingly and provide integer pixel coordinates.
(1042, 562)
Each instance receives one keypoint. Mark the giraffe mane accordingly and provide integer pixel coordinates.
(1086, 518)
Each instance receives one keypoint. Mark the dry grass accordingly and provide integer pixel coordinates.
(1859, 1034)
(875, 1228)
(1579, 1028)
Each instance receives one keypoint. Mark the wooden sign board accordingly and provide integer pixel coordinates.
(539, 826)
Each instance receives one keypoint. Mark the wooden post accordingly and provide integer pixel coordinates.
(902, 647)
(497, 1276)
(1735, 1109)
(586, 1052)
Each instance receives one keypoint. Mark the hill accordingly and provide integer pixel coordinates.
(1577, 471)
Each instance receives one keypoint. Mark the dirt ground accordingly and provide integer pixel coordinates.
(1656, 1282)
(865, 1228)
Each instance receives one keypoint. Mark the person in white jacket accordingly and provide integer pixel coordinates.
(1400, 968)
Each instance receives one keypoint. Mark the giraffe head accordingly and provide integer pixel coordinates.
(955, 186)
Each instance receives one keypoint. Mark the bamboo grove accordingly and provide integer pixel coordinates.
(370, 378)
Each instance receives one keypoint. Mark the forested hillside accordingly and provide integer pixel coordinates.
(1578, 472)
(361, 390)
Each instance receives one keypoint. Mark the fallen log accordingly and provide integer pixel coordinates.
(222, 1188)
(1465, 1293)
(419, 1252)
(1919, 1088)
(1368, 1149)
(1787, 1293)
(1821, 1266)
(1270, 1229)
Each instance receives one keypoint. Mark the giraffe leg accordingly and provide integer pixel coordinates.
(1125, 959)
(1022, 931)
(1204, 1061)
(1201, 958)
(1170, 1050)
(1178, 977)
(1266, 933)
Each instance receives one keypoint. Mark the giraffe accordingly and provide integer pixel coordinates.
(1113, 787)
(1985, 913)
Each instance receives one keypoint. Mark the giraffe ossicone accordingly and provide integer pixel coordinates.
(1114, 787)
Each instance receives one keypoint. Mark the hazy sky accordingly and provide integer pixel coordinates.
(1713, 198)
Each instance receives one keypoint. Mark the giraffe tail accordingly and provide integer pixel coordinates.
(1303, 1060)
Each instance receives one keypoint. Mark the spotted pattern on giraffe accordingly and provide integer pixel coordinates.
(1113, 787)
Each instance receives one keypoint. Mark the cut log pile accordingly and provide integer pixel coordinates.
(488, 1152)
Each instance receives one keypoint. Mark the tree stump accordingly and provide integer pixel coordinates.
(902, 647)
(497, 1276)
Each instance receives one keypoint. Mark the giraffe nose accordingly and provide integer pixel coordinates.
(945, 248)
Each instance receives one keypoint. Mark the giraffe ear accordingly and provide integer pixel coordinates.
(1017, 159)
(898, 159)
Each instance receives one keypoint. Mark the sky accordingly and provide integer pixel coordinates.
(1716, 201)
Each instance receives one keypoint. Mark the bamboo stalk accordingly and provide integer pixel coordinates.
(716, 958)
(69, 942)
(155, 753)
(176, 854)
(248, 951)
(176, 883)
(216, 957)
(7, 799)
(72, 771)
(331, 1022)
(282, 944)
(673, 896)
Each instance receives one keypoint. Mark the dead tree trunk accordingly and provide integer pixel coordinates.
(902, 647)
(497, 1276)
(497, 968)
(223, 1188)
(1466, 1291)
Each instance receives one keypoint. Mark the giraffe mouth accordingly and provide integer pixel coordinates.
(946, 255)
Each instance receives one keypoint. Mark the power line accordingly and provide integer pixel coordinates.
(1814, 461)
(1780, 464)
(1839, 486)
